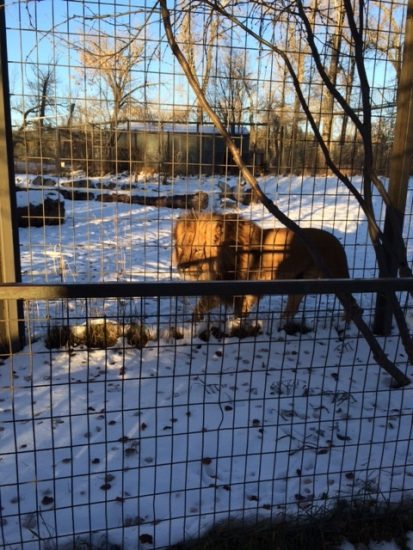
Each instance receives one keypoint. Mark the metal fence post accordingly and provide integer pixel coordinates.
(400, 168)
(11, 311)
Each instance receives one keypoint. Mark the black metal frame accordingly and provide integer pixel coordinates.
(286, 385)
(23, 291)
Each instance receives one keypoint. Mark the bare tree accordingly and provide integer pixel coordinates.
(111, 62)
(199, 42)
(335, 46)
(397, 247)
(232, 89)
(387, 36)
(356, 27)
(298, 55)
(41, 97)
(38, 112)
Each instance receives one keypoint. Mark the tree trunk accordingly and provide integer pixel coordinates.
(400, 169)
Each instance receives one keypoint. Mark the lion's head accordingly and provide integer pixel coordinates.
(198, 239)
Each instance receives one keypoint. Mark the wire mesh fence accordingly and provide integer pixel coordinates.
(101, 110)
(119, 432)
(127, 419)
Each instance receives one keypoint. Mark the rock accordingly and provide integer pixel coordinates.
(36, 208)
(41, 181)
(98, 333)
(78, 184)
(77, 190)
(197, 201)
(138, 335)
(77, 194)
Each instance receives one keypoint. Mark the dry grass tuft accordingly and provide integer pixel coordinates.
(358, 524)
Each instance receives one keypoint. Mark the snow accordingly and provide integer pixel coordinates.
(155, 445)
(36, 197)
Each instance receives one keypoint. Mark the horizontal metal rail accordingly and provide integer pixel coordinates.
(22, 291)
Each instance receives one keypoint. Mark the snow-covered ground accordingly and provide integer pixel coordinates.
(154, 445)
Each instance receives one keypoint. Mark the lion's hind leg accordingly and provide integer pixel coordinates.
(291, 308)
(293, 303)
(294, 300)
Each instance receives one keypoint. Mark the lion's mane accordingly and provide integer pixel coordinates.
(213, 246)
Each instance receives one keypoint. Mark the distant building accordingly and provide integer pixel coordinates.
(178, 148)
(182, 149)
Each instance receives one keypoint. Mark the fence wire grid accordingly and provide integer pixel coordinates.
(126, 420)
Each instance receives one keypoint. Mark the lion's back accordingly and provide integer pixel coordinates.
(214, 246)
(286, 256)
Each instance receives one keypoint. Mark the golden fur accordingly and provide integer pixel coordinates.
(215, 246)
(227, 247)
(285, 256)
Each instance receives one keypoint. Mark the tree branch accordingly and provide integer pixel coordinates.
(347, 300)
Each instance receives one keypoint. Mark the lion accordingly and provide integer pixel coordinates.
(227, 247)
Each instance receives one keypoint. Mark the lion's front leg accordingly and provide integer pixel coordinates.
(240, 327)
(243, 305)
(204, 304)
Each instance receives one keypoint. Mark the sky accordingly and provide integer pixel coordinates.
(47, 32)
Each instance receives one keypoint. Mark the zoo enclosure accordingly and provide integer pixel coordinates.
(44, 145)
